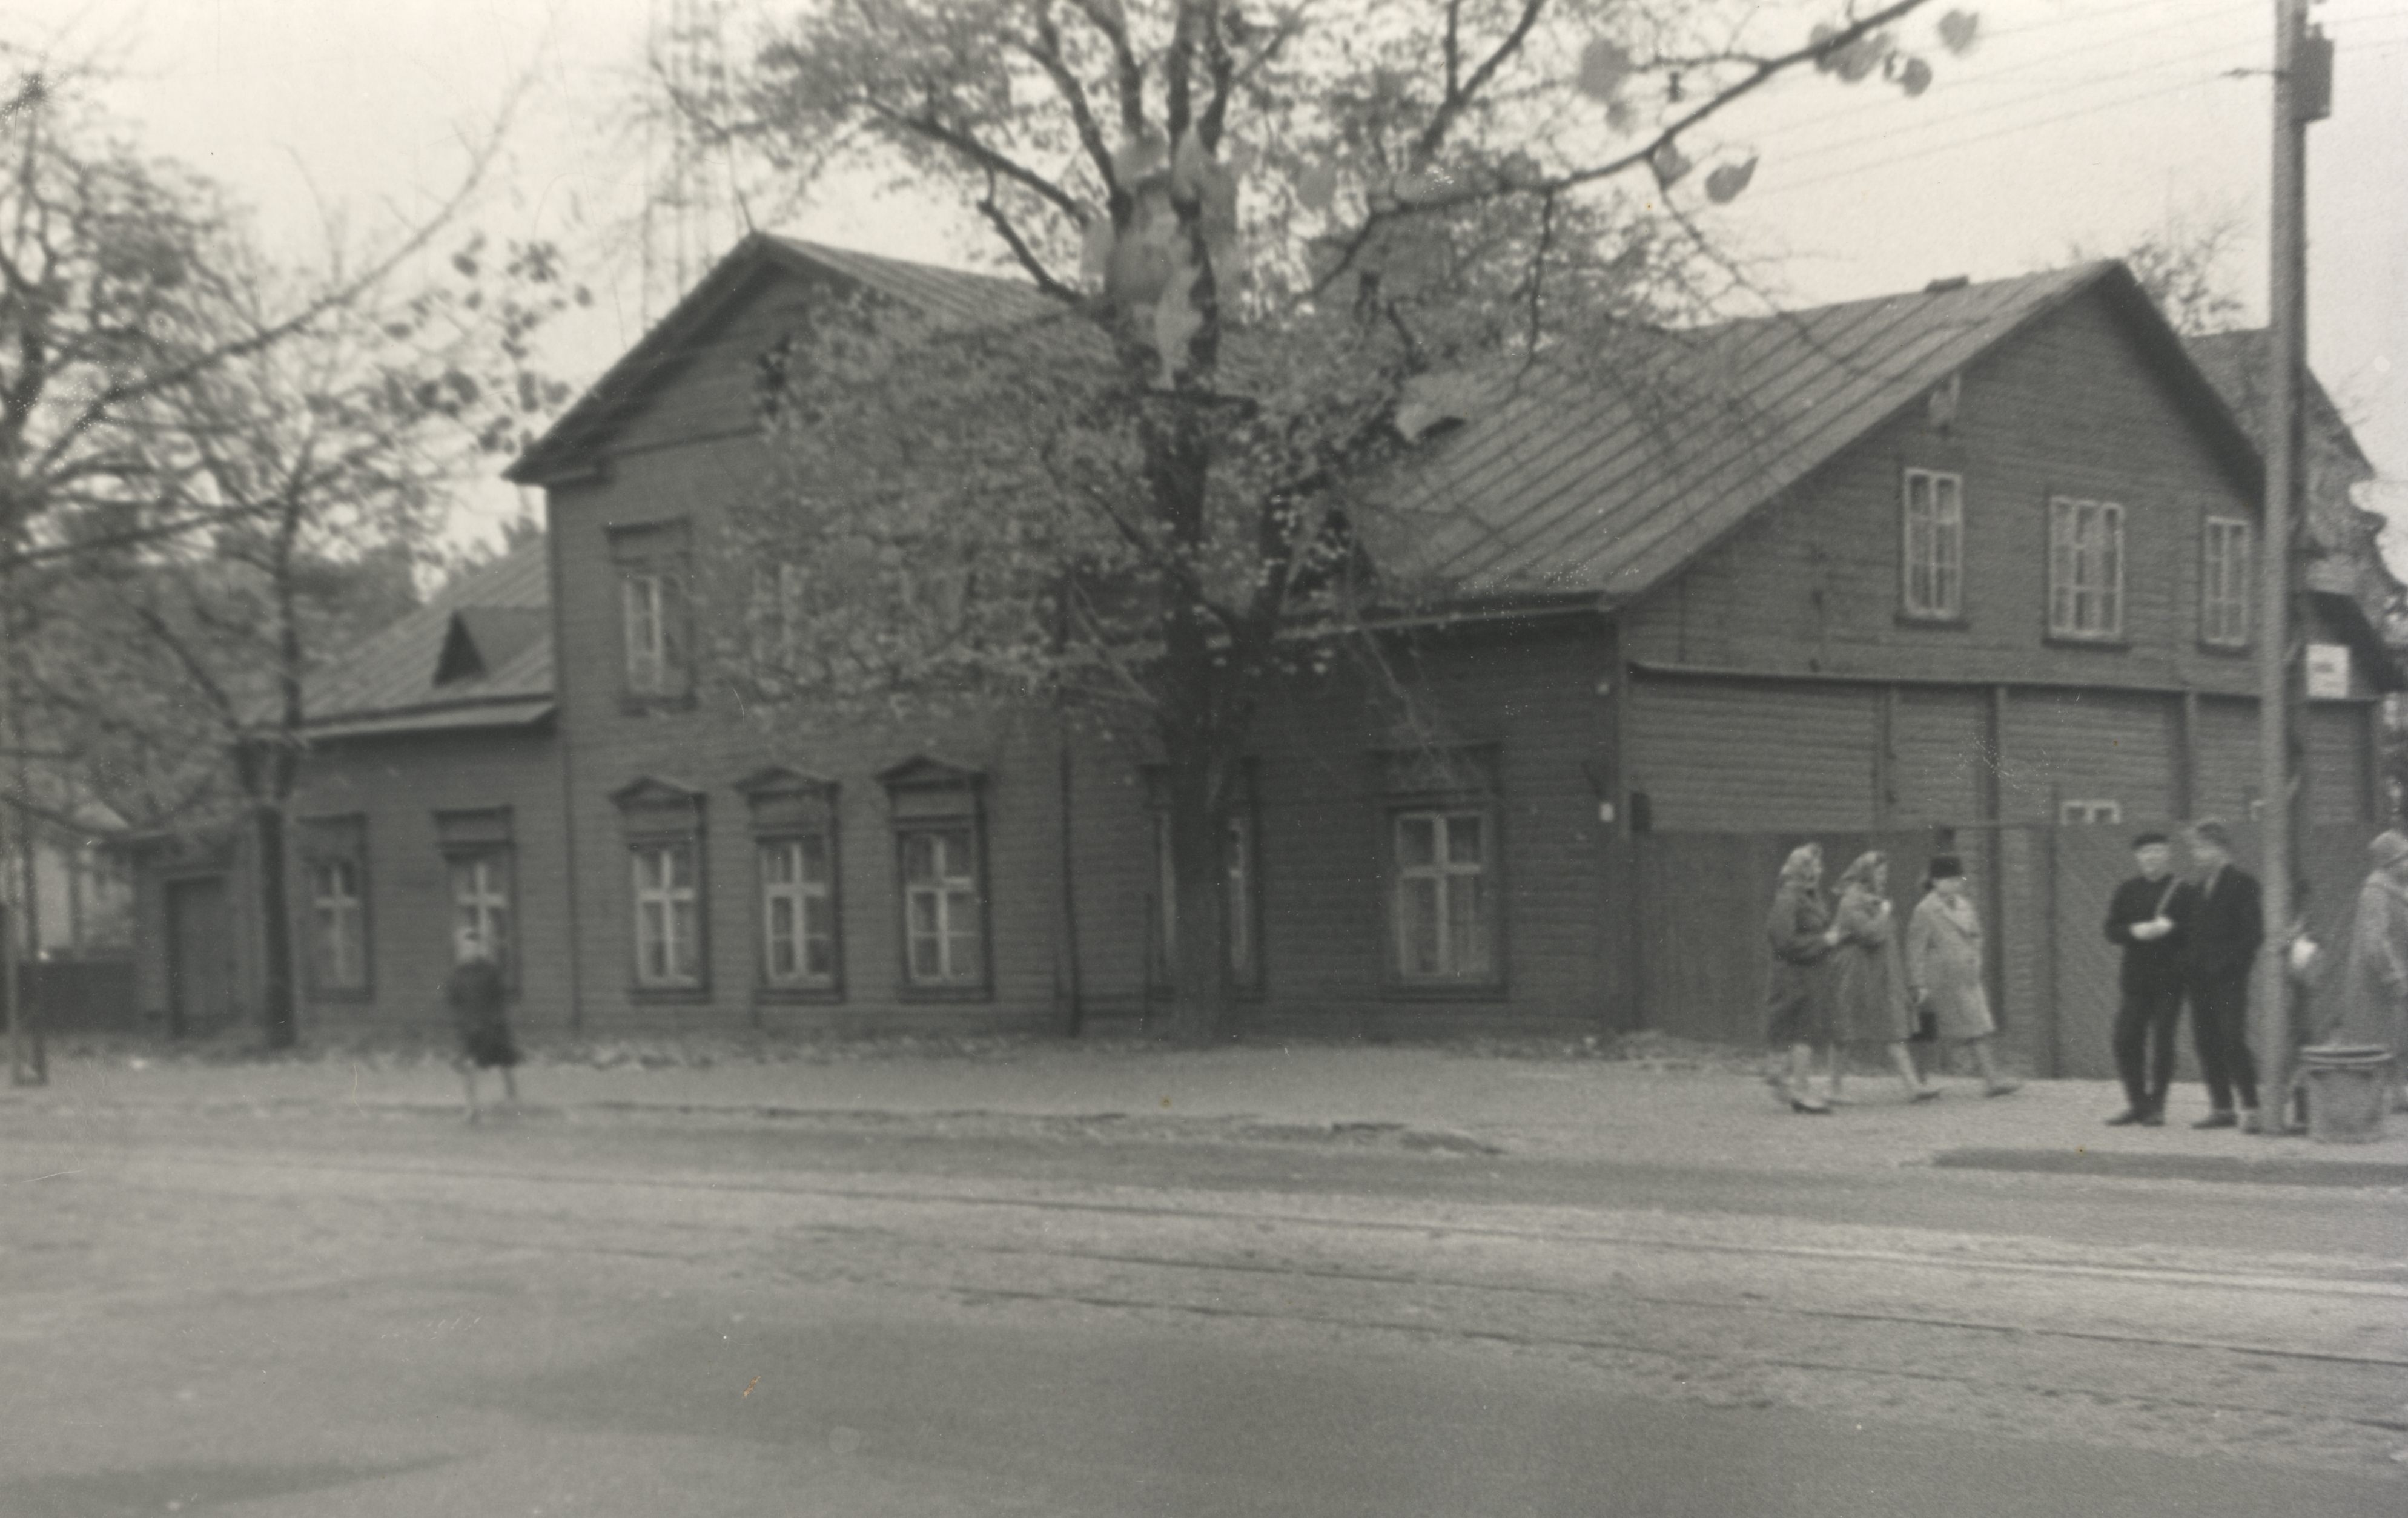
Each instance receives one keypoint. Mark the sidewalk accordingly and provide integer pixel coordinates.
(1424, 1098)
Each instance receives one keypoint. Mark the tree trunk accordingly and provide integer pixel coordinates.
(1200, 929)
(277, 1021)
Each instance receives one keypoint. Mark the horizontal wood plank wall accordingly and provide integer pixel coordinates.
(2092, 746)
(2338, 754)
(2227, 759)
(397, 786)
(1939, 756)
(1739, 755)
(1811, 584)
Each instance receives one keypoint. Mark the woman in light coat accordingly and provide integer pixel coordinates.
(1943, 970)
(1870, 998)
(2371, 1007)
(1798, 1000)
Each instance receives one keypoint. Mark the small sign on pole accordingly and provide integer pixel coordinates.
(2327, 672)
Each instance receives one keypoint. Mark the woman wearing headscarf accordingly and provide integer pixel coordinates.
(2372, 1000)
(1870, 994)
(1943, 970)
(1798, 1002)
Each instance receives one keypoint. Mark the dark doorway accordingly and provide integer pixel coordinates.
(200, 956)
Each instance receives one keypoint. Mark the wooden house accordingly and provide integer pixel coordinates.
(1932, 568)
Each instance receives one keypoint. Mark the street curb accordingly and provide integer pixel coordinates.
(2280, 1171)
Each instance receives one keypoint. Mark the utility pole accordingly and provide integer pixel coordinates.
(2302, 94)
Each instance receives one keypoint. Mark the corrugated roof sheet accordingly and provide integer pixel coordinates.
(392, 672)
(1608, 483)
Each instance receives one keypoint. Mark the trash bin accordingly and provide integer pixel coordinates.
(2345, 1088)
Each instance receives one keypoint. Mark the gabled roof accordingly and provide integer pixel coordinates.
(488, 634)
(949, 297)
(1608, 485)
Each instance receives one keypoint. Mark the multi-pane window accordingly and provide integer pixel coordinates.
(797, 912)
(1935, 545)
(338, 916)
(943, 930)
(939, 822)
(669, 915)
(481, 902)
(1442, 914)
(641, 599)
(2086, 569)
(654, 566)
(2223, 583)
(334, 885)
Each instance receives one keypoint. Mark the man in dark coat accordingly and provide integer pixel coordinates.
(2220, 915)
(474, 991)
(2138, 923)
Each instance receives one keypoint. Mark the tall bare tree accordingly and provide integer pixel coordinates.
(1269, 244)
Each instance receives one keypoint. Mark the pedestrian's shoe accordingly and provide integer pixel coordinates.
(2154, 1118)
(2220, 1118)
(2126, 1118)
(1925, 1093)
(2252, 1123)
(2003, 1088)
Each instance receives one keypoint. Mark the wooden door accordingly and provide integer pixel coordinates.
(200, 955)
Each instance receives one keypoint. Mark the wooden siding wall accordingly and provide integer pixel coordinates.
(1810, 585)
(397, 786)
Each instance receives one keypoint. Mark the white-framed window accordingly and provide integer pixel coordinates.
(1442, 909)
(2224, 582)
(2082, 813)
(798, 939)
(654, 566)
(943, 924)
(642, 607)
(1934, 546)
(339, 917)
(669, 914)
(2086, 569)
(481, 902)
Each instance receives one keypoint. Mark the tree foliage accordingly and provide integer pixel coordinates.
(1268, 246)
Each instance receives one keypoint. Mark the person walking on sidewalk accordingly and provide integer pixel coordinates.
(1943, 970)
(1797, 1001)
(474, 991)
(2221, 918)
(2371, 998)
(1869, 995)
(2150, 981)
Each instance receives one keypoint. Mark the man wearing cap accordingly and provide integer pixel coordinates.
(2138, 923)
(2220, 916)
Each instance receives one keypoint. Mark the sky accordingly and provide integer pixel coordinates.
(2072, 123)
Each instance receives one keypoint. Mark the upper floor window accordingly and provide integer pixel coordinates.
(334, 851)
(2082, 813)
(655, 630)
(2086, 569)
(1934, 584)
(2223, 583)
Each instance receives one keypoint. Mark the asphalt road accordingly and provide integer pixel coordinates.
(361, 1313)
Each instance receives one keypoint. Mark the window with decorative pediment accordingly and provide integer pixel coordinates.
(478, 859)
(939, 828)
(794, 820)
(662, 823)
(335, 860)
(1445, 929)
